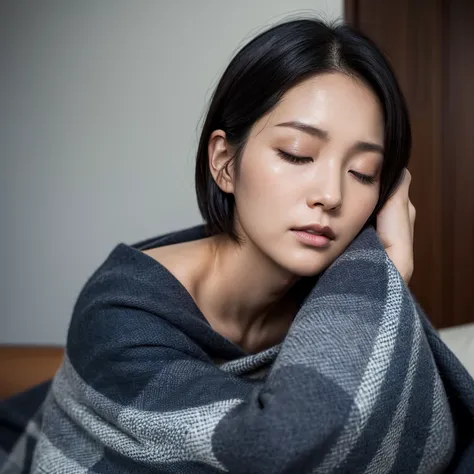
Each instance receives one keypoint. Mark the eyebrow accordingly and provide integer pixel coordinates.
(309, 129)
(322, 134)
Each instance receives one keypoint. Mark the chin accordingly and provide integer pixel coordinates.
(308, 267)
(311, 271)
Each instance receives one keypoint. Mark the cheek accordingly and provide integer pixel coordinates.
(360, 207)
(263, 182)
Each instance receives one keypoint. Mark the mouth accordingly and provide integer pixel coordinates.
(315, 235)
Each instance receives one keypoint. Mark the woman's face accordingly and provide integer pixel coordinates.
(316, 159)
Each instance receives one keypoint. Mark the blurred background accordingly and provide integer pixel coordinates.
(100, 111)
(101, 103)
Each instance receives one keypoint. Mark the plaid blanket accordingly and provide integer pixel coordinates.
(361, 383)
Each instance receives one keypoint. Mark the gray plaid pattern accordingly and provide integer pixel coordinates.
(359, 385)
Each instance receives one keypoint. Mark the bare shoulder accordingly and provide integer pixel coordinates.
(183, 260)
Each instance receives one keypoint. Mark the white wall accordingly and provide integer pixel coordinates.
(100, 103)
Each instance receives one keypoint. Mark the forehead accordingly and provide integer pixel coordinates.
(335, 102)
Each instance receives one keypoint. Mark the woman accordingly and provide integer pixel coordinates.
(281, 337)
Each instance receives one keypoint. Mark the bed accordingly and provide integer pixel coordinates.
(22, 367)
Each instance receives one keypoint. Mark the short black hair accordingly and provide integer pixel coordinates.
(265, 69)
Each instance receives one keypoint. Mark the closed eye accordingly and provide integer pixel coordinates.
(299, 160)
(364, 178)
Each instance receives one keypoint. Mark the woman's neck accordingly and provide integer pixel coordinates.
(243, 293)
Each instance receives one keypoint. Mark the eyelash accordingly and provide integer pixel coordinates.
(301, 160)
(364, 178)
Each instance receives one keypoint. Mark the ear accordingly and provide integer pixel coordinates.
(220, 161)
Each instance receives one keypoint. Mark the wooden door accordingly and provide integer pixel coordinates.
(430, 45)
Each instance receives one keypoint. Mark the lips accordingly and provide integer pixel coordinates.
(316, 229)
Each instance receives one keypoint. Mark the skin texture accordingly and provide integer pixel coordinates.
(243, 289)
(396, 228)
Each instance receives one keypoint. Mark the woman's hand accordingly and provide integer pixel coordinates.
(395, 228)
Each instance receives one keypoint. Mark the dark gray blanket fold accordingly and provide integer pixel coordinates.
(361, 383)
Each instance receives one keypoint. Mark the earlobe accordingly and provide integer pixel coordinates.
(220, 161)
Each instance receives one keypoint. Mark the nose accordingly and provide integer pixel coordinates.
(327, 191)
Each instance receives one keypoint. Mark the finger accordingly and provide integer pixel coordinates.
(412, 217)
(407, 176)
(405, 187)
(407, 180)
